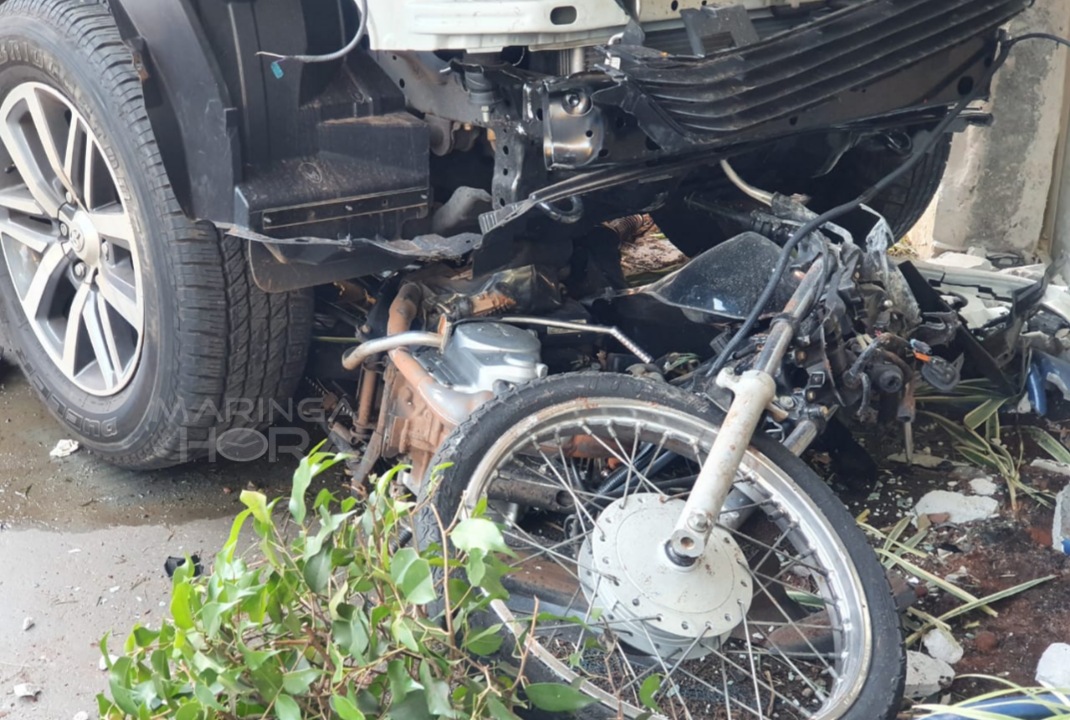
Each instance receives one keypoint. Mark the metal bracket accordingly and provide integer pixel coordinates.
(421, 247)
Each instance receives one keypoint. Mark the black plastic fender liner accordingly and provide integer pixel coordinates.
(683, 102)
(193, 116)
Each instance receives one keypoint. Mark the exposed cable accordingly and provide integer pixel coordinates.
(762, 196)
(362, 29)
(866, 197)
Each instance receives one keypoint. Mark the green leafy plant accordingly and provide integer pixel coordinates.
(337, 618)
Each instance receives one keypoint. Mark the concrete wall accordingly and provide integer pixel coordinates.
(1003, 187)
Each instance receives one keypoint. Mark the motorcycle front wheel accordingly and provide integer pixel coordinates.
(788, 614)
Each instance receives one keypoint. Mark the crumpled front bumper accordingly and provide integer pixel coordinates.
(875, 59)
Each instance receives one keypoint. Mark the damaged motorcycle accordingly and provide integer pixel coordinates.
(438, 205)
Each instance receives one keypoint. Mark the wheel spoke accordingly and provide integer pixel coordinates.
(19, 199)
(26, 160)
(72, 336)
(47, 276)
(120, 295)
(31, 234)
(60, 203)
(114, 224)
(97, 326)
(49, 123)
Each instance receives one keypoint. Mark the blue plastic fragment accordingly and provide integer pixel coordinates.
(1023, 708)
(1035, 383)
(1066, 546)
(276, 70)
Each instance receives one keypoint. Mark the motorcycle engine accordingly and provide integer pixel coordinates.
(486, 357)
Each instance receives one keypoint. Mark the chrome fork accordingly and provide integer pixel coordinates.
(753, 391)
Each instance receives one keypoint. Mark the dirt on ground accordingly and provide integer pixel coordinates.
(982, 557)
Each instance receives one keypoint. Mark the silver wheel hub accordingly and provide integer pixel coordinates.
(68, 240)
(662, 608)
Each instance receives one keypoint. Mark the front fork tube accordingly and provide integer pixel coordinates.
(754, 391)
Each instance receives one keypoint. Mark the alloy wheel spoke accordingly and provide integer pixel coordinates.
(60, 203)
(114, 224)
(96, 325)
(19, 199)
(46, 278)
(48, 124)
(31, 234)
(120, 295)
(72, 336)
(13, 136)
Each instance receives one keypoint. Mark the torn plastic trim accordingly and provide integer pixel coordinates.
(590, 182)
(422, 247)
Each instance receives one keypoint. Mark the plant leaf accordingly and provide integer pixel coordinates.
(648, 690)
(318, 569)
(286, 708)
(180, 604)
(257, 504)
(979, 415)
(345, 708)
(485, 642)
(298, 681)
(412, 574)
(479, 534)
(555, 697)
(1049, 444)
(302, 480)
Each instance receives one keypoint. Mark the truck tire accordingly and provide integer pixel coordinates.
(142, 331)
(902, 204)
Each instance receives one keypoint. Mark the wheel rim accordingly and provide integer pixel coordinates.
(800, 554)
(68, 241)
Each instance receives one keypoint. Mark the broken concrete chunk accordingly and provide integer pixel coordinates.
(81, 715)
(1053, 671)
(983, 486)
(963, 261)
(1051, 466)
(1060, 529)
(926, 676)
(28, 623)
(958, 507)
(26, 690)
(943, 646)
(920, 459)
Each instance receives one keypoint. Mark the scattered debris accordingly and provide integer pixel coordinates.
(103, 664)
(926, 676)
(986, 641)
(81, 715)
(984, 486)
(943, 646)
(28, 623)
(958, 507)
(1060, 529)
(26, 690)
(921, 459)
(963, 261)
(64, 448)
(1053, 671)
(1051, 466)
(174, 563)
